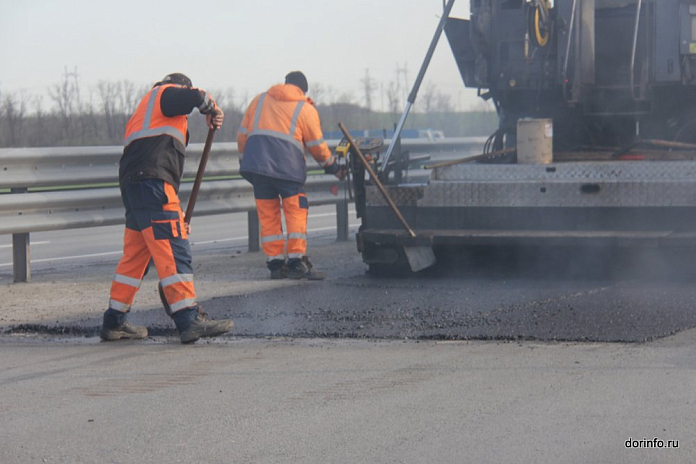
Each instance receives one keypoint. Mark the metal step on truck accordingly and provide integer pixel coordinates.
(596, 143)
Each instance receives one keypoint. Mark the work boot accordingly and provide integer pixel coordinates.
(115, 327)
(193, 323)
(302, 269)
(278, 268)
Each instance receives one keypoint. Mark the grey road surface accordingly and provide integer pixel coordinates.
(507, 361)
(329, 401)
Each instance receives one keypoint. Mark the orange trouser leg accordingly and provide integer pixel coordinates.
(295, 209)
(178, 286)
(169, 246)
(272, 238)
(130, 271)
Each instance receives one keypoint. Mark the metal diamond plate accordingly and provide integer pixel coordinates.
(603, 184)
(605, 170)
(402, 196)
(560, 193)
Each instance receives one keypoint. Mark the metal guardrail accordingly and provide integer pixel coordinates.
(23, 212)
(57, 210)
(62, 166)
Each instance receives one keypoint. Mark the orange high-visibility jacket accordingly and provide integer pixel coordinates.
(148, 120)
(277, 128)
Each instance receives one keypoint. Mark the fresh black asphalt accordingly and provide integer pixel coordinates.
(503, 300)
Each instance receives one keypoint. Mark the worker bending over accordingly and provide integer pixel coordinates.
(277, 128)
(149, 176)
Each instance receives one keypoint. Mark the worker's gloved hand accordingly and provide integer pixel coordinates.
(336, 169)
(213, 113)
(208, 105)
(342, 172)
(214, 119)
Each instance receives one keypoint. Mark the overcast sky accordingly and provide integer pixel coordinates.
(244, 45)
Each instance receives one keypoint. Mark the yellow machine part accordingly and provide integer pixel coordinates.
(542, 36)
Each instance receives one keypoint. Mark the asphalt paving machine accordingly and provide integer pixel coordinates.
(595, 146)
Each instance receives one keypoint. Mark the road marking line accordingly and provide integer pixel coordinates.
(332, 228)
(61, 258)
(219, 240)
(245, 237)
(30, 243)
(108, 253)
(326, 214)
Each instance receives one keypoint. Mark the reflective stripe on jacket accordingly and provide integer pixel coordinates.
(277, 128)
(148, 120)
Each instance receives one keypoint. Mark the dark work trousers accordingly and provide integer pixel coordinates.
(155, 230)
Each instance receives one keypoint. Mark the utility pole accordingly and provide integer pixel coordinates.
(369, 87)
(402, 73)
(381, 91)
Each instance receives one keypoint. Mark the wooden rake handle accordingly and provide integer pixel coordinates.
(379, 185)
(199, 175)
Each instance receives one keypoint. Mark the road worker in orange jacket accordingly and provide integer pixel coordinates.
(279, 125)
(149, 175)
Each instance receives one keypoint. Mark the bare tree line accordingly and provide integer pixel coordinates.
(98, 115)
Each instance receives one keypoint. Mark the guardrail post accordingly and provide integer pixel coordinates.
(342, 221)
(20, 257)
(21, 265)
(254, 232)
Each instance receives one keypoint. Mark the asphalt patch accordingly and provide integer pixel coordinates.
(463, 309)
(512, 297)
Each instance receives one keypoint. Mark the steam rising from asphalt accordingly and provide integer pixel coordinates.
(607, 264)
